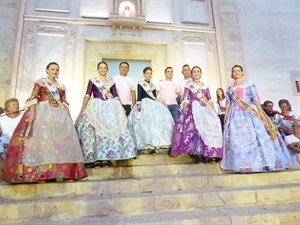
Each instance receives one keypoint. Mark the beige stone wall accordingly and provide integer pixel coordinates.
(9, 17)
(229, 42)
(72, 35)
(215, 40)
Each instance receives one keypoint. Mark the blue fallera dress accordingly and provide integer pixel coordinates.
(247, 145)
(102, 127)
(153, 125)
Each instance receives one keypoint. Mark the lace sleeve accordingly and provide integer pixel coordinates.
(34, 95)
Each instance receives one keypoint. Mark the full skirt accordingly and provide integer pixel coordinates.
(249, 148)
(52, 150)
(152, 126)
(197, 132)
(103, 132)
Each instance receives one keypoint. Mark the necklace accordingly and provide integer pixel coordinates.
(103, 80)
(198, 83)
(50, 81)
(238, 82)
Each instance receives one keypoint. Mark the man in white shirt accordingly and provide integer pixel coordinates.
(125, 87)
(186, 72)
(293, 142)
(168, 91)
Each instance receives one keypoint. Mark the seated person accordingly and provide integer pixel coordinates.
(8, 122)
(293, 142)
(268, 108)
(285, 118)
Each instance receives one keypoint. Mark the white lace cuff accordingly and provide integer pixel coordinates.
(31, 102)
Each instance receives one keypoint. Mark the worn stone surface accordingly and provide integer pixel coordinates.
(164, 194)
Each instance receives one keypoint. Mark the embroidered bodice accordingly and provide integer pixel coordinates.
(246, 91)
(145, 90)
(198, 91)
(44, 90)
(99, 90)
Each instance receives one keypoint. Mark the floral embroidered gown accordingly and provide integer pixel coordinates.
(102, 127)
(153, 125)
(52, 149)
(198, 130)
(247, 145)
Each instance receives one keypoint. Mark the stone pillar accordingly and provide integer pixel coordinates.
(10, 14)
(229, 42)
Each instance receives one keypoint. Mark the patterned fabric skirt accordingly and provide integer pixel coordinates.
(40, 162)
(153, 125)
(197, 132)
(103, 132)
(248, 147)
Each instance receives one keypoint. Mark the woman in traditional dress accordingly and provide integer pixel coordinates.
(221, 104)
(102, 123)
(44, 145)
(8, 122)
(198, 130)
(150, 120)
(251, 142)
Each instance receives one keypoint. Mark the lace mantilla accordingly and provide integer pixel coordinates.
(149, 88)
(104, 88)
(52, 89)
(242, 86)
(104, 114)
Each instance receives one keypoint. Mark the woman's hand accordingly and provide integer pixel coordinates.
(139, 107)
(184, 106)
(262, 115)
(109, 95)
(225, 117)
(67, 108)
(285, 130)
(31, 117)
(211, 104)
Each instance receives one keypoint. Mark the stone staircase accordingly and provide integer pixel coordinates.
(157, 190)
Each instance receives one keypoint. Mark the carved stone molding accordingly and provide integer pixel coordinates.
(52, 29)
(62, 6)
(127, 31)
(127, 25)
(208, 39)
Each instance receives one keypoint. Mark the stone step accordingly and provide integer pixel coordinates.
(284, 214)
(127, 168)
(122, 172)
(142, 171)
(155, 160)
(114, 204)
(173, 182)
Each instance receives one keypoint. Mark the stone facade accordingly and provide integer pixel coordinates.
(212, 34)
(9, 18)
(270, 34)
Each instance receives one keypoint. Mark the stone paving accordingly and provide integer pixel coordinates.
(157, 190)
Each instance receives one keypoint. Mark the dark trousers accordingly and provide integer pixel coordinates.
(222, 120)
(127, 109)
(174, 110)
